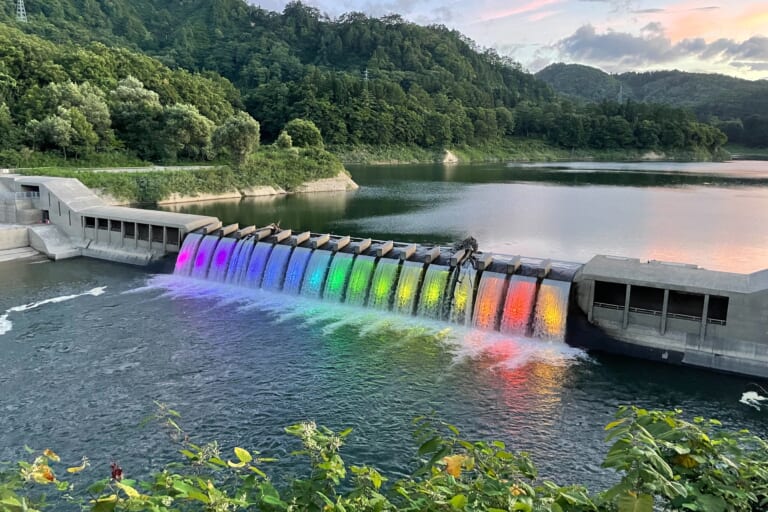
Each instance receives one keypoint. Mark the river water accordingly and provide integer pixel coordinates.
(88, 346)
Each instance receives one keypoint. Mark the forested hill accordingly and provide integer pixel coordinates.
(378, 81)
(738, 107)
(300, 64)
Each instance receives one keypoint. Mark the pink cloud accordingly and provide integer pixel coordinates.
(531, 6)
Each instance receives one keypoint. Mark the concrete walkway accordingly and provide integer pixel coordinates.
(17, 254)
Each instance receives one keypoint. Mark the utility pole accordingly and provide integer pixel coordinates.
(21, 12)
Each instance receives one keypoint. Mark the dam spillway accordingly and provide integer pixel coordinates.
(489, 293)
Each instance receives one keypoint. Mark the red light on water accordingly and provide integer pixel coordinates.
(517, 309)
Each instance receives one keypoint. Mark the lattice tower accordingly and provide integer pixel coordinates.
(21, 12)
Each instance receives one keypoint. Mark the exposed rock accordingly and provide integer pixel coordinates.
(449, 157)
(339, 183)
(264, 190)
(179, 198)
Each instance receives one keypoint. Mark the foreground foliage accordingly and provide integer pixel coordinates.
(662, 461)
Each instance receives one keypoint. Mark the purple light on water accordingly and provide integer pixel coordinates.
(221, 257)
(182, 259)
(202, 257)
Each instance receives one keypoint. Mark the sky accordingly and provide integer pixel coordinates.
(709, 36)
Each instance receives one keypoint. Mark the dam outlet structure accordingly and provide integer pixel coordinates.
(512, 295)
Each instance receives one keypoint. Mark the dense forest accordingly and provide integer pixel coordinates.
(737, 107)
(361, 80)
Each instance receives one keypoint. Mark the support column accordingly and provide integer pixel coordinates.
(122, 234)
(109, 231)
(705, 310)
(96, 229)
(136, 235)
(625, 319)
(165, 239)
(149, 228)
(591, 302)
(664, 309)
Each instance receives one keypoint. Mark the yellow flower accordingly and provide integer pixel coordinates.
(453, 464)
(51, 455)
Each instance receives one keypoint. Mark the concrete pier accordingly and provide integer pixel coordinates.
(63, 218)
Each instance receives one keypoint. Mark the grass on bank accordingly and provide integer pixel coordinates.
(286, 168)
(509, 150)
(747, 153)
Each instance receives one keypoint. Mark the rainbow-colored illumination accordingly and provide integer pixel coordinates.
(519, 305)
(187, 254)
(254, 273)
(336, 281)
(432, 291)
(204, 254)
(314, 276)
(461, 311)
(551, 310)
(360, 280)
(274, 274)
(407, 287)
(294, 275)
(384, 279)
(489, 296)
(512, 304)
(221, 258)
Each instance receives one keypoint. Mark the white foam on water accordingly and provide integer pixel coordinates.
(752, 399)
(6, 325)
(464, 343)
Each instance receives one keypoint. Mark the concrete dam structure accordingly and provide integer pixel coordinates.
(669, 312)
(674, 313)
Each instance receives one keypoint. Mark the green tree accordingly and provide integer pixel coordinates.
(137, 117)
(239, 135)
(304, 134)
(187, 133)
(284, 140)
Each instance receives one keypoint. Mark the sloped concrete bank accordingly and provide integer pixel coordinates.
(339, 183)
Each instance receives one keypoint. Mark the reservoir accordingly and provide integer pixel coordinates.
(88, 346)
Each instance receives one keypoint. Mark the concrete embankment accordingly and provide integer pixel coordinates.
(339, 183)
(14, 243)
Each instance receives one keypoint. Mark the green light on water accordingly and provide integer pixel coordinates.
(433, 291)
(337, 277)
(360, 274)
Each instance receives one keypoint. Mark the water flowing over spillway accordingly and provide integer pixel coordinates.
(484, 299)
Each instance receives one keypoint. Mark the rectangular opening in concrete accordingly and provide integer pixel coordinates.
(689, 306)
(610, 295)
(103, 224)
(130, 230)
(647, 300)
(34, 189)
(115, 225)
(144, 232)
(717, 310)
(90, 222)
(157, 234)
(173, 236)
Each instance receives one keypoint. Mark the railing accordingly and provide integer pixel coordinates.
(681, 316)
(10, 196)
(652, 312)
(605, 305)
(715, 321)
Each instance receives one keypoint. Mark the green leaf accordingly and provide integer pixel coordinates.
(243, 455)
(430, 446)
(459, 501)
(615, 424)
(344, 433)
(635, 503)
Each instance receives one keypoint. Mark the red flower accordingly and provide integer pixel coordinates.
(117, 471)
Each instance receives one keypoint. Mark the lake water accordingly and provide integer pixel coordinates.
(87, 346)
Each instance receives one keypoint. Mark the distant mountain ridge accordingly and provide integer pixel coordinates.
(740, 106)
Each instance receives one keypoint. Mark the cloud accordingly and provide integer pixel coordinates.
(622, 51)
(648, 11)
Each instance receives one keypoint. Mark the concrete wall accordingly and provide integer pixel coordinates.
(13, 237)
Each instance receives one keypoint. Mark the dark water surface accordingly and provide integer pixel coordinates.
(87, 346)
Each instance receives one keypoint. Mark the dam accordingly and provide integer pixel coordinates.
(667, 312)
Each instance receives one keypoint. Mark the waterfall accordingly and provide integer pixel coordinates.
(408, 287)
(463, 296)
(518, 305)
(294, 275)
(274, 274)
(433, 291)
(314, 276)
(186, 257)
(384, 279)
(240, 259)
(336, 282)
(256, 265)
(551, 310)
(221, 258)
(490, 300)
(360, 280)
(490, 293)
(204, 255)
